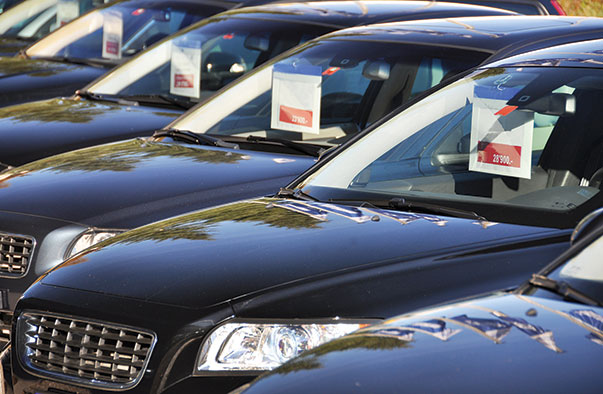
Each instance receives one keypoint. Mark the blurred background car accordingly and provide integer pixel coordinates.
(81, 51)
(213, 297)
(545, 335)
(29, 20)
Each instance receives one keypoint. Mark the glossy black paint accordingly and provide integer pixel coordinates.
(525, 341)
(25, 80)
(28, 126)
(205, 177)
(284, 264)
(527, 7)
(10, 46)
(470, 361)
(265, 259)
(116, 186)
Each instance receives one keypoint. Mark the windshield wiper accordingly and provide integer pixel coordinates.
(80, 61)
(160, 99)
(402, 204)
(102, 97)
(199, 139)
(307, 149)
(296, 194)
(563, 289)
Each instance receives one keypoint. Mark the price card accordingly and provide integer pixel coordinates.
(185, 69)
(67, 10)
(112, 35)
(296, 98)
(501, 135)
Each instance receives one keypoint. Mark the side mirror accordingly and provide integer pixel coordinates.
(559, 104)
(376, 71)
(589, 223)
(257, 43)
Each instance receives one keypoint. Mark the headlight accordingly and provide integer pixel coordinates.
(88, 238)
(249, 347)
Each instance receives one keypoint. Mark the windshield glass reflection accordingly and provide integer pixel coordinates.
(326, 90)
(117, 31)
(33, 19)
(204, 58)
(525, 137)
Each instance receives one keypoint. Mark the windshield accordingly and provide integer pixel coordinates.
(204, 58)
(326, 90)
(33, 19)
(515, 145)
(120, 30)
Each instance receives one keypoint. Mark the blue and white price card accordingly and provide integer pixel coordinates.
(67, 10)
(501, 135)
(185, 69)
(296, 91)
(112, 35)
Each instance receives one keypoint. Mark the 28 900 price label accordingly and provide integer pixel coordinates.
(499, 154)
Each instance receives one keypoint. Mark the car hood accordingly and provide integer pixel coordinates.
(43, 128)
(134, 182)
(10, 46)
(507, 343)
(207, 257)
(10, 66)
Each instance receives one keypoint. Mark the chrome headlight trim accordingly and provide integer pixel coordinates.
(89, 237)
(219, 354)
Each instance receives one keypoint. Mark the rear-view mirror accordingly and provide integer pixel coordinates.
(257, 43)
(559, 104)
(376, 70)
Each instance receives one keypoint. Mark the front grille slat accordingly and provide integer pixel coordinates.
(91, 353)
(15, 254)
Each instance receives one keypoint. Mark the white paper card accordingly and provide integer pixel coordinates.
(112, 35)
(67, 10)
(185, 71)
(296, 98)
(501, 135)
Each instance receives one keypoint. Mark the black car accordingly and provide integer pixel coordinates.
(66, 203)
(147, 93)
(81, 51)
(30, 20)
(546, 336)
(208, 299)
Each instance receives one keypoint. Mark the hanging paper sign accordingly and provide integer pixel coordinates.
(185, 70)
(296, 98)
(501, 135)
(67, 10)
(112, 35)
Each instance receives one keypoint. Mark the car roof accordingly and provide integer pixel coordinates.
(352, 13)
(584, 54)
(527, 7)
(505, 35)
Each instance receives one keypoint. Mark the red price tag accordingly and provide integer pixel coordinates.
(295, 116)
(112, 47)
(499, 154)
(184, 80)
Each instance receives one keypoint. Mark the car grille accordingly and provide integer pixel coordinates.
(15, 253)
(89, 353)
